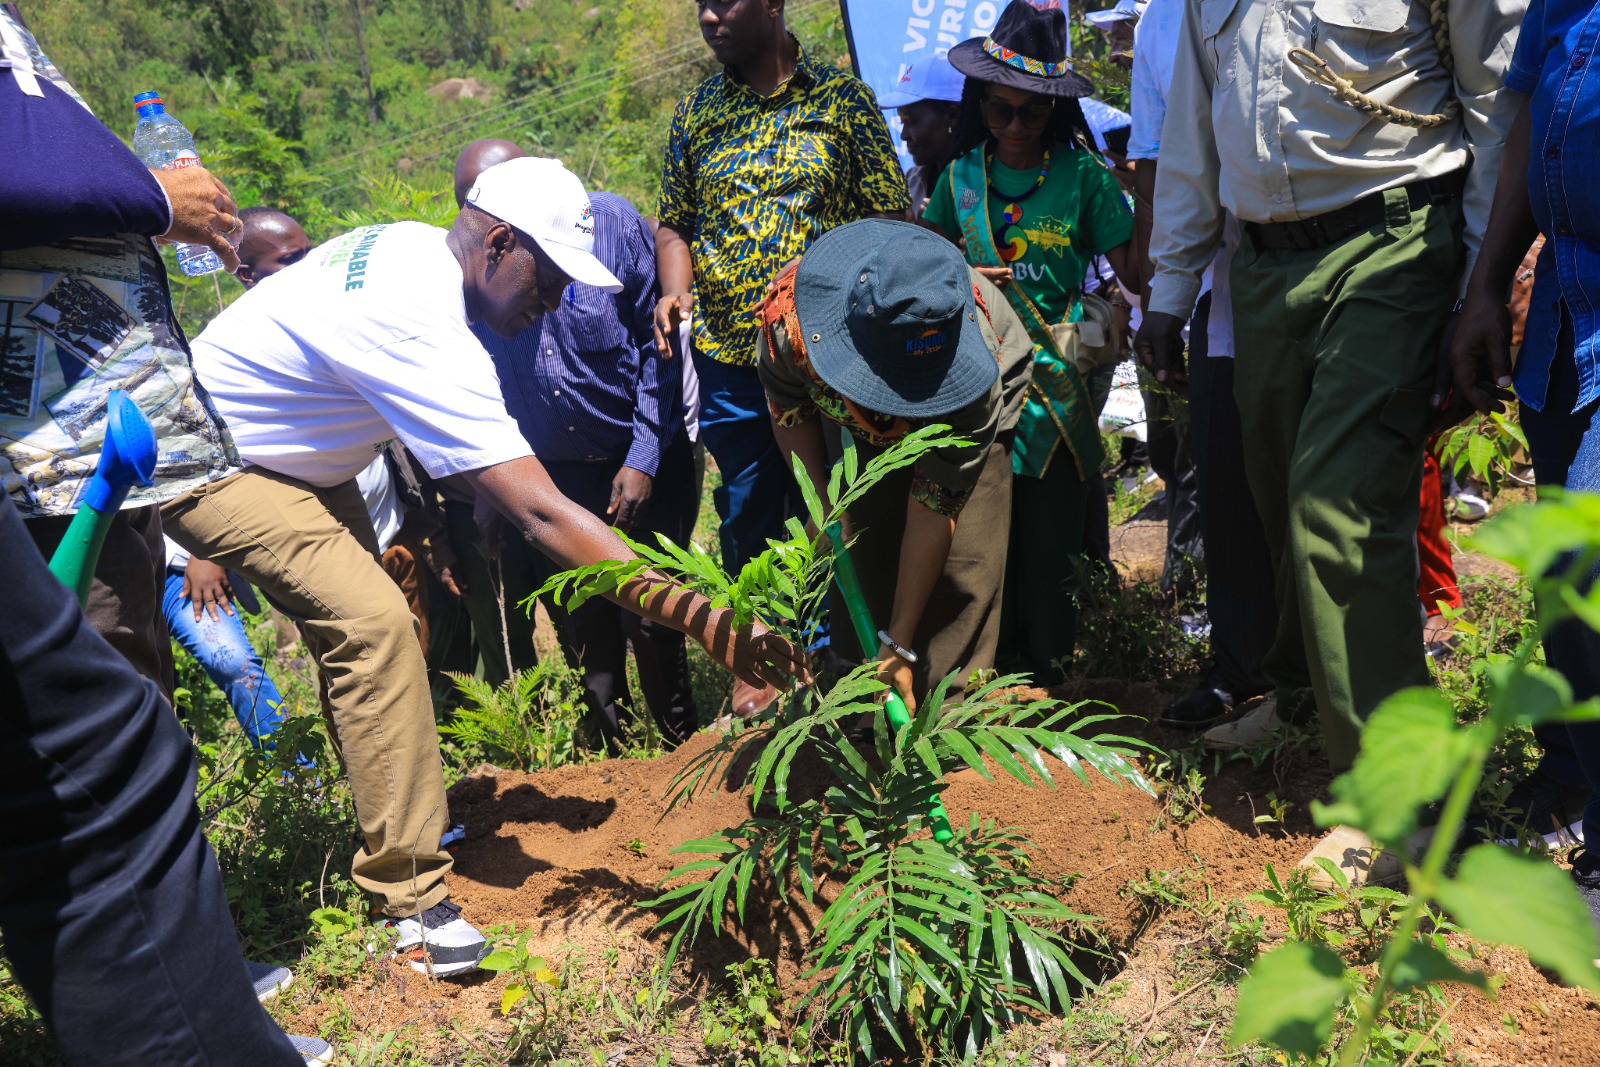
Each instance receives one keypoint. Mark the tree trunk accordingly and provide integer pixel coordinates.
(366, 71)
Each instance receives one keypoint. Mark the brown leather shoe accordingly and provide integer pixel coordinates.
(750, 701)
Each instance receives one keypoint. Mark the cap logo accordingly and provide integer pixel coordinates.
(585, 221)
(906, 77)
(930, 343)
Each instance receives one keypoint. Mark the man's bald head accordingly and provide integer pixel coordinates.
(270, 242)
(478, 157)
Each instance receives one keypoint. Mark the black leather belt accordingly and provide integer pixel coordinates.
(1331, 227)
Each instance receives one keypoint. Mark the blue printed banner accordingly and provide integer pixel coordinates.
(888, 36)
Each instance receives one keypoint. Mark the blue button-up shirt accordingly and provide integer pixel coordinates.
(585, 382)
(1552, 62)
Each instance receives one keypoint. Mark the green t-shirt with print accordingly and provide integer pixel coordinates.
(1078, 213)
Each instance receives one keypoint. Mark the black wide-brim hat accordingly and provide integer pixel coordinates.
(889, 319)
(1026, 50)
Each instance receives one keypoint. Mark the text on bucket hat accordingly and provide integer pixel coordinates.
(547, 202)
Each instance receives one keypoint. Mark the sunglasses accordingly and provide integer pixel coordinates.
(998, 114)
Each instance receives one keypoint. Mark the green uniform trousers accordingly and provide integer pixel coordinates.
(1335, 354)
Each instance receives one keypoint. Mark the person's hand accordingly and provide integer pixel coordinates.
(203, 212)
(1480, 354)
(454, 580)
(756, 656)
(630, 498)
(999, 276)
(1159, 346)
(896, 674)
(206, 587)
(671, 310)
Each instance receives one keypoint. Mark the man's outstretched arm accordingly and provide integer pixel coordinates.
(521, 490)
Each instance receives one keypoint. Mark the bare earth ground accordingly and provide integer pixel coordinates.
(571, 852)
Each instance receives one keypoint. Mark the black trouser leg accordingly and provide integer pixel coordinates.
(112, 906)
(1239, 593)
(1172, 458)
(596, 635)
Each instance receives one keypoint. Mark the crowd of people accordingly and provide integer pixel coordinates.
(1307, 225)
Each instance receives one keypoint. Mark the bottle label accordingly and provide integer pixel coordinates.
(188, 159)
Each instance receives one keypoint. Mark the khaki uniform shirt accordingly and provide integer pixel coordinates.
(1248, 130)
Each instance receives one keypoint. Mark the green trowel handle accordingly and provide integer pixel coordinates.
(844, 575)
(75, 557)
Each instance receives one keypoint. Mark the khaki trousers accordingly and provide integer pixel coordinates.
(1333, 375)
(313, 552)
(960, 627)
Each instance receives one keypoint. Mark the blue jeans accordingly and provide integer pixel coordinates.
(114, 913)
(1565, 448)
(223, 648)
(758, 493)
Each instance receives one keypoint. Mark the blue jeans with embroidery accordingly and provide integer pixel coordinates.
(223, 648)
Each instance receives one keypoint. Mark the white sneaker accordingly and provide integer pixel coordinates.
(1356, 856)
(315, 1051)
(441, 935)
(268, 979)
(1258, 726)
(1468, 507)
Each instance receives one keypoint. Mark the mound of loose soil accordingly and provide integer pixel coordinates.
(570, 853)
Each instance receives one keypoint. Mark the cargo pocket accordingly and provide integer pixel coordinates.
(1394, 451)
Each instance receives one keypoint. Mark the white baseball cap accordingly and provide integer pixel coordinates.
(1123, 11)
(547, 202)
(928, 78)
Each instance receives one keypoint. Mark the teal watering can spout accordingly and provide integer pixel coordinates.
(128, 457)
(894, 708)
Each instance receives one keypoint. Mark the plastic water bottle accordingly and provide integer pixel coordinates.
(164, 143)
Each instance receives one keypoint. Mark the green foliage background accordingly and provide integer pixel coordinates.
(321, 108)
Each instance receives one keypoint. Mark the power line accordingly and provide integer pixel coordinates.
(559, 89)
(474, 121)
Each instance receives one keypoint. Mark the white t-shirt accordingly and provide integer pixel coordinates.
(382, 500)
(365, 339)
(177, 555)
(1155, 47)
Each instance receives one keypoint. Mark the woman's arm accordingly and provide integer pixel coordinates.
(923, 551)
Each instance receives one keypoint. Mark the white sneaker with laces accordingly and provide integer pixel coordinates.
(441, 935)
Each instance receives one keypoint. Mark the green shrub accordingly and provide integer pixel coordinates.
(532, 722)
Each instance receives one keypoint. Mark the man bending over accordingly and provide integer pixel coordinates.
(367, 338)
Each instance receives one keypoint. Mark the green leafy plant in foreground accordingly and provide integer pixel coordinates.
(532, 722)
(1414, 753)
(925, 943)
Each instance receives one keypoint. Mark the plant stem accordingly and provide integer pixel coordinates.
(1424, 881)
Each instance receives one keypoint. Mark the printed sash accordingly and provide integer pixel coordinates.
(1056, 405)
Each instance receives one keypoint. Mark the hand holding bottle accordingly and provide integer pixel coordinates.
(203, 212)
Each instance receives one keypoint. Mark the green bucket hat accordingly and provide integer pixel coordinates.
(889, 319)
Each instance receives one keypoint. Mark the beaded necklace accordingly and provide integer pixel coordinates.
(1013, 247)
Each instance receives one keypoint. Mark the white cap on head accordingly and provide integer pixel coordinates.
(1123, 11)
(927, 78)
(547, 202)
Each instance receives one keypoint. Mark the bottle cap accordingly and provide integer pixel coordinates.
(141, 101)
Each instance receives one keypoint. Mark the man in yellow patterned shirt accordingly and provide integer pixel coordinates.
(762, 159)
